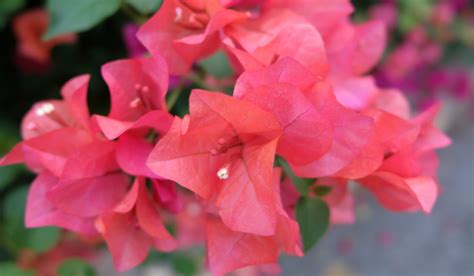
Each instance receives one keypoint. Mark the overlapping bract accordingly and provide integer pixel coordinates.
(302, 93)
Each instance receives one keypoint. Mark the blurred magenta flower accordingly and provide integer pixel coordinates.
(133, 45)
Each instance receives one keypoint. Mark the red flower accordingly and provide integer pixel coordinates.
(273, 35)
(406, 180)
(29, 27)
(133, 227)
(224, 152)
(229, 250)
(184, 31)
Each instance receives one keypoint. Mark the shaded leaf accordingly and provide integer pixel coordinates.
(76, 16)
(145, 6)
(75, 267)
(301, 184)
(217, 65)
(313, 217)
(11, 269)
(37, 239)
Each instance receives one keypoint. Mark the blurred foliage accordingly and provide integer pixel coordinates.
(75, 16)
(75, 267)
(7, 8)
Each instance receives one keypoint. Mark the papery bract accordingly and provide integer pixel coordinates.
(185, 31)
(224, 152)
(133, 227)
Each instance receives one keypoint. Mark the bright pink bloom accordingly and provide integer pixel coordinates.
(406, 180)
(224, 156)
(229, 250)
(323, 14)
(280, 89)
(133, 227)
(185, 31)
(273, 35)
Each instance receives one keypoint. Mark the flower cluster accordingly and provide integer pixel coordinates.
(428, 33)
(304, 113)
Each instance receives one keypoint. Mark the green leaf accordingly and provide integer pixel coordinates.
(11, 269)
(78, 15)
(7, 175)
(75, 267)
(301, 184)
(36, 239)
(217, 65)
(313, 218)
(42, 239)
(8, 6)
(184, 265)
(322, 190)
(145, 6)
(8, 136)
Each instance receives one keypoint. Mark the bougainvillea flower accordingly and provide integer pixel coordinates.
(323, 14)
(350, 131)
(224, 151)
(53, 129)
(355, 49)
(244, 249)
(136, 86)
(259, 42)
(41, 212)
(406, 180)
(185, 31)
(307, 135)
(29, 27)
(133, 227)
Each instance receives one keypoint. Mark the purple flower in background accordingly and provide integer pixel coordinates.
(133, 45)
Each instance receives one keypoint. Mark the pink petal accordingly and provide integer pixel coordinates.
(158, 120)
(126, 241)
(132, 154)
(126, 78)
(148, 216)
(74, 93)
(91, 160)
(128, 202)
(247, 202)
(89, 197)
(229, 250)
(40, 212)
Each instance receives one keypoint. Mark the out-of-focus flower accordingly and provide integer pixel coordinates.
(29, 28)
(47, 264)
(133, 45)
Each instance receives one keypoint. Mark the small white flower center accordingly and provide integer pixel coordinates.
(223, 173)
(179, 14)
(45, 109)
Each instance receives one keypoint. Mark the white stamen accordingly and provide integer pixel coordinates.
(223, 173)
(179, 14)
(135, 102)
(45, 109)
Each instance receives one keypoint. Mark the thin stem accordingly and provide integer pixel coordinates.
(174, 95)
